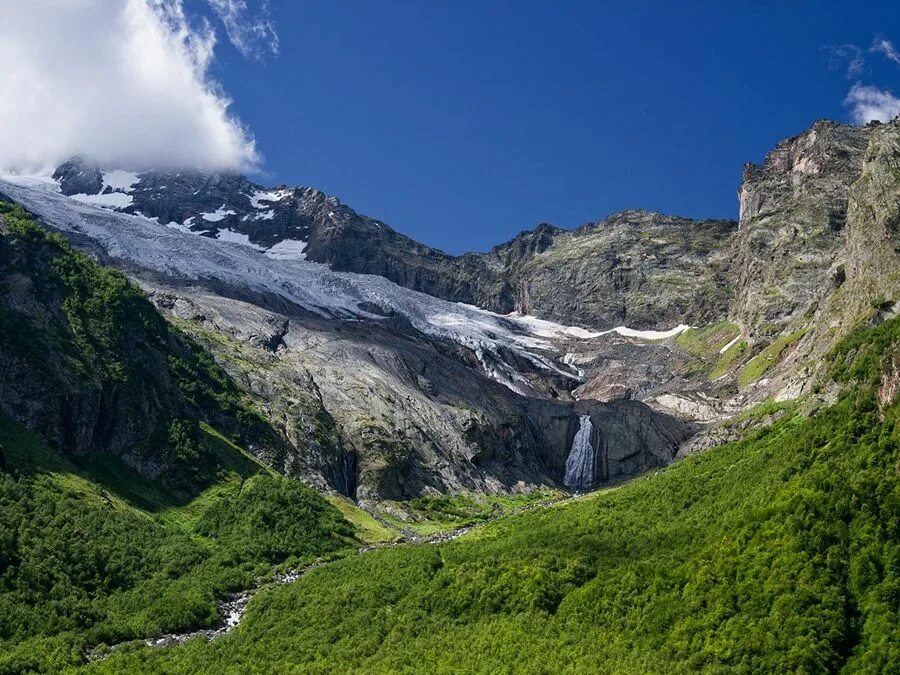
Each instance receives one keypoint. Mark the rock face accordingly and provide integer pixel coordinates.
(79, 177)
(401, 412)
(793, 210)
(88, 364)
(383, 392)
(637, 268)
(872, 240)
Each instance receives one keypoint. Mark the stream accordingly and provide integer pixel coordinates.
(232, 607)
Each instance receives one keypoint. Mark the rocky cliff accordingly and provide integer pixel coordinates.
(88, 364)
(370, 389)
(384, 391)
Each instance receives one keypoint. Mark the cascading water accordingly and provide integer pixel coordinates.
(580, 462)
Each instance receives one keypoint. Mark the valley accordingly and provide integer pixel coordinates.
(247, 428)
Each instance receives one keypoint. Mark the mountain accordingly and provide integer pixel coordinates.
(376, 391)
(182, 351)
(369, 352)
(777, 553)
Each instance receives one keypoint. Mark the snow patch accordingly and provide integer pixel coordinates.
(181, 227)
(648, 334)
(550, 329)
(267, 196)
(236, 238)
(218, 214)
(730, 344)
(288, 249)
(123, 181)
(111, 200)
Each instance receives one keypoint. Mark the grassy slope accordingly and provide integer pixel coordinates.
(96, 554)
(778, 553)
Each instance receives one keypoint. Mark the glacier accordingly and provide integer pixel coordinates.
(182, 255)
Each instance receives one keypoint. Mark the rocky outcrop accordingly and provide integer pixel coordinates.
(77, 176)
(793, 210)
(58, 377)
(381, 412)
(872, 239)
(640, 269)
(90, 366)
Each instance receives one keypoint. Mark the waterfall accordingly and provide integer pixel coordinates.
(580, 462)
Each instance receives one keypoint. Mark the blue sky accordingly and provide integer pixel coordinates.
(462, 123)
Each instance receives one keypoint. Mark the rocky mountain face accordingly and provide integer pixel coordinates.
(635, 268)
(373, 390)
(88, 364)
(407, 414)
(346, 333)
(793, 212)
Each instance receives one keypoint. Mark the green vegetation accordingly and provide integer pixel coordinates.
(96, 554)
(132, 514)
(778, 553)
(439, 513)
(706, 342)
(728, 358)
(768, 357)
(88, 334)
(368, 529)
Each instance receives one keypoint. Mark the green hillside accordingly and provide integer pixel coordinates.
(101, 540)
(779, 553)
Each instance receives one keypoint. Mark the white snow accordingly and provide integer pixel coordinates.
(265, 215)
(730, 344)
(217, 215)
(111, 200)
(120, 180)
(237, 238)
(268, 196)
(288, 249)
(232, 260)
(648, 334)
(552, 330)
(43, 177)
(178, 226)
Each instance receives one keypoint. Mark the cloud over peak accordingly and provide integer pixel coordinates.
(123, 82)
(866, 102)
(869, 103)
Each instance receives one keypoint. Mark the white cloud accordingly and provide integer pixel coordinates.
(869, 103)
(124, 82)
(846, 57)
(253, 34)
(886, 47)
